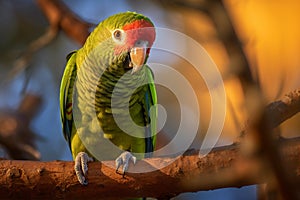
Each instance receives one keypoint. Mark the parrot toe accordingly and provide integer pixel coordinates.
(124, 160)
(81, 167)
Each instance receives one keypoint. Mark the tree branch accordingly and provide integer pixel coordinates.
(220, 168)
(281, 110)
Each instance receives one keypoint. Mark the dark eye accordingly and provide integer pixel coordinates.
(117, 34)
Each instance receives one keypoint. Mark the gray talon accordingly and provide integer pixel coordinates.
(124, 160)
(81, 167)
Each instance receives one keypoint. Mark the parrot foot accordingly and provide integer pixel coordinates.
(81, 167)
(124, 159)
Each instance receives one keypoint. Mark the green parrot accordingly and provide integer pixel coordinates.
(108, 96)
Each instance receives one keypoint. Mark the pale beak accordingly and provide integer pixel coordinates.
(138, 56)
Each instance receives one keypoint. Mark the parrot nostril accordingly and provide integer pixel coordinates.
(141, 43)
(138, 43)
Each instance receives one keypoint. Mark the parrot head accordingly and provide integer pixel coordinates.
(131, 35)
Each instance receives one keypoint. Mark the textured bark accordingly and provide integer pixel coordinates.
(223, 167)
(281, 110)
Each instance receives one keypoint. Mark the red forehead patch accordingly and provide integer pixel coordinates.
(140, 30)
(137, 24)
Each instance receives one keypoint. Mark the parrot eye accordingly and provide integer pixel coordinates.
(118, 35)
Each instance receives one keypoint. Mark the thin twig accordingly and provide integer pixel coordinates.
(24, 61)
(60, 18)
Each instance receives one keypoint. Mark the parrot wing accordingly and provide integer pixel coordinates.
(66, 92)
(151, 114)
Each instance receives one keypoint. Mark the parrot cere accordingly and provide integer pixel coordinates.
(107, 95)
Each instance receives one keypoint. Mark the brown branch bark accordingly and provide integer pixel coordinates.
(281, 110)
(222, 167)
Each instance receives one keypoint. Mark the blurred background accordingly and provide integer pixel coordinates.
(269, 32)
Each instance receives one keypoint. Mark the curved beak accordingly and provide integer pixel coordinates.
(138, 56)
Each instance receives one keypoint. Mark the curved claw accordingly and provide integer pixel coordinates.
(124, 160)
(81, 167)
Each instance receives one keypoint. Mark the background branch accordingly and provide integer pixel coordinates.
(24, 61)
(260, 141)
(58, 14)
(16, 135)
(260, 128)
(60, 17)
